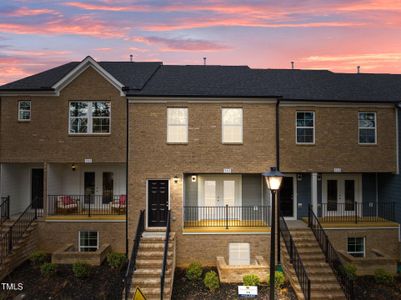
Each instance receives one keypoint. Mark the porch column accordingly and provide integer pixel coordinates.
(314, 192)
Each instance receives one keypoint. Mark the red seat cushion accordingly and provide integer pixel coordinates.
(123, 199)
(67, 200)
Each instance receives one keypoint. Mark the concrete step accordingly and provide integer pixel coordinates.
(151, 263)
(153, 282)
(157, 246)
(144, 254)
(149, 272)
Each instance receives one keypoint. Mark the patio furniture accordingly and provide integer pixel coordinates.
(66, 204)
(120, 204)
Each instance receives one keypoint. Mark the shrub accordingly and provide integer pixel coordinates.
(350, 271)
(38, 258)
(279, 279)
(251, 279)
(48, 269)
(211, 281)
(81, 270)
(194, 271)
(384, 277)
(116, 260)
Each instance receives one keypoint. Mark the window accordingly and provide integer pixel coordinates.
(239, 254)
(356, 246)
(89, 117)
(24, 110)
(367, 127)
(305, 127)
(88, 241)
(177, 125)
(231, 125)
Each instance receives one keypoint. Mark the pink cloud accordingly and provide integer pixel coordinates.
(174, 44)
(25, 11)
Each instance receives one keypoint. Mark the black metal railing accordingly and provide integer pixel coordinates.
(4, 209)
(10, 238)
(295, 259)
(226, 216)
(356, 212)
(132, 262)
(165, 256)
(331, 255)
(86, 205)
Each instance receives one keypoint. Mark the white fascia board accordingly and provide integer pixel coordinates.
(78, 70)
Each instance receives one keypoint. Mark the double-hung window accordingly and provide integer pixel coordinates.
(177, 125)
(24, 110)
(89, 117)
(88, 241)
(305, 127)
(356, 246)
(232, 119)
(367, 127)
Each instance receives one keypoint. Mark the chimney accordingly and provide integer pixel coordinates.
(358, 69)
(131, 57)
(204, 61)
(292, 65)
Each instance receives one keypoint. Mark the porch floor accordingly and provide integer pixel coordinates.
(86, 217)
(343, 222)
(220, 226)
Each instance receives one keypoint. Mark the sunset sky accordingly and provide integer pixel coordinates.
(329, 34)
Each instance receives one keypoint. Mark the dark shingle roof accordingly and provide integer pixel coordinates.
(131, 74)
(155, 79)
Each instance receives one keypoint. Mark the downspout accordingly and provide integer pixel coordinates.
(126, 177)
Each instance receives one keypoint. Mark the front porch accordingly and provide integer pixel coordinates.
(83, 191)
(225, 203)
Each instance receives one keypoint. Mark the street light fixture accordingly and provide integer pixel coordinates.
(273, 181)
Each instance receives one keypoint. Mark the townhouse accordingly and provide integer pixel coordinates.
(89, 145)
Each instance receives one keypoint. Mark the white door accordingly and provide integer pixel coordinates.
(341, 195)
(217, 191)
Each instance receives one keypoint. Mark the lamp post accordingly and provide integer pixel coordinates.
(273, 181)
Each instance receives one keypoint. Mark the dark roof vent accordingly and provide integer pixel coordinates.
(131, 58)
(204, 61)
(358, 69)
(292, 65)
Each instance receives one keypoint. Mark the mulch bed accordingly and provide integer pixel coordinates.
(185, 289)
(366, 288)
(103, 283)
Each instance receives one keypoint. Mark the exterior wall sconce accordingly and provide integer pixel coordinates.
(73, 167)
(299, 177)
(175, 179)
(193, 178)
(319, 177)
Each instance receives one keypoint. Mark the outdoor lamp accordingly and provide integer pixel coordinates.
(175, 179)
(273, 179)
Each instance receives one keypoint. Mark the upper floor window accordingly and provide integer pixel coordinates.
(24, 110)
(89, 117)
(177, 125)
(232, 125)
(367, 127)
(305, 127)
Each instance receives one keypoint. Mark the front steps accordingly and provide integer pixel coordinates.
(324, 284)
(149, 264)
(21, 250)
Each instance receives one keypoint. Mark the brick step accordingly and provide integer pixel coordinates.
(155, 239)
(153, 254)
(326, 287)
(148, 272)
(152, 263)
(154, 245)
(309, 250)
(301, 238)
(150, 282)
(338, 295)
(152, 293)
(316, 277)
(302, 245)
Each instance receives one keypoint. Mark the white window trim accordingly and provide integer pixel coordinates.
(296, 127)
(364, 245)
(180, 125)
(359, 128)
(19, 110)
(88, 247)
(240, 125)
(90, 119)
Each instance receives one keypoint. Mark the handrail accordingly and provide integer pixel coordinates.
(331, 255)
(12, 236)
(4, 209)
(295, 259)
(165, 254)
(132, 262)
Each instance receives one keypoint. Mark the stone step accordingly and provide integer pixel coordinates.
(157, 246)
(144, 254)
(148, 272)
(151, 263)
(150, 282)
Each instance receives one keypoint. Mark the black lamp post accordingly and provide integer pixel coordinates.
(273, 180)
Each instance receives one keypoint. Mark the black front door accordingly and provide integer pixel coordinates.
(89, 187)
(37, 188)
(157, 203)
(287, 197)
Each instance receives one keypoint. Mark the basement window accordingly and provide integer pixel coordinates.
(239, 254)
(88, 241)
(356, 246)
(24, 111)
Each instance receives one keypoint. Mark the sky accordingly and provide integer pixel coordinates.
(338, 35)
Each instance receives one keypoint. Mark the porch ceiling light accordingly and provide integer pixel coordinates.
(273, 179)
(175, 179)
(73, 167)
